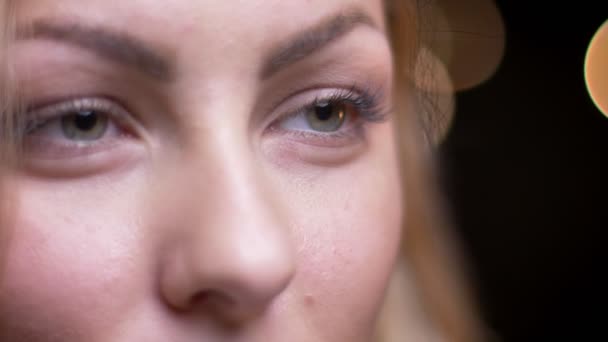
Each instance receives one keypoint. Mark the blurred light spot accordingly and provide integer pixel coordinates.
(596, 69)
(469, 37)
(439, 91)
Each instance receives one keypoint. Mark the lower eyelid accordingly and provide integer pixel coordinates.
(46, 148)
(51, 145)
(86, 162)
(348, 136)
(311, 149)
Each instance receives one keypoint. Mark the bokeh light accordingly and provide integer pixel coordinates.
(438, 85)
(596, 69)
(463, 46)
(469, 37)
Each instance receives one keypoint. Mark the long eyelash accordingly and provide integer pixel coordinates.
(369, 102)
(45, 115)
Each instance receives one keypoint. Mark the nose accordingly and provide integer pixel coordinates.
(231, 255)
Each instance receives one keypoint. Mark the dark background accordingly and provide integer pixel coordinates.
(524, 169)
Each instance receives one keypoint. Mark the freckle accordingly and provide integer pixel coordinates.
(188, 28)
(309, 301)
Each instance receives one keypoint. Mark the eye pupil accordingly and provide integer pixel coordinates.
(324, 111)
(85, 121)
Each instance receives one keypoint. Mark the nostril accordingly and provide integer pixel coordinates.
(211, 300)
(201, 299)
(222, 308)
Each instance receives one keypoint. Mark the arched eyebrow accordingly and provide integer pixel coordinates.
(306, 43)
(116, 46)
(122, 48)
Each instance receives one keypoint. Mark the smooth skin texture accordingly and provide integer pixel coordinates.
(207, 209)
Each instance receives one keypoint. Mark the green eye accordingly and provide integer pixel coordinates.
(326, 117)
(84, 125)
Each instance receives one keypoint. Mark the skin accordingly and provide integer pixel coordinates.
(198, 219)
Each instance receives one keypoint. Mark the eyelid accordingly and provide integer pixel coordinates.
(41, 115)
(49, 155)
(370, 103)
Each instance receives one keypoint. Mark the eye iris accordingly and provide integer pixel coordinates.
(327, 117)
(84, 125)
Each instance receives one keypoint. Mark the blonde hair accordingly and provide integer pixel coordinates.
(428, 298)
(8, 134)
(8, 98)
(429, 287)
(5, 80)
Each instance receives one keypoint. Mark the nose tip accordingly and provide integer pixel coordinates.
(233, 278)
(249, 285)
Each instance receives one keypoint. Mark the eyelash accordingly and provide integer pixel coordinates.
(41, 117)
(367, 103)
(38, 118)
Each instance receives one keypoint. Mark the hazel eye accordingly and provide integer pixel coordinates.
(325, 122)
(79, 137)
(79, 122)
(86, 125)
(326, 116)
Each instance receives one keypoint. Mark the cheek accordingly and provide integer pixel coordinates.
(348, 229)
(68, 257)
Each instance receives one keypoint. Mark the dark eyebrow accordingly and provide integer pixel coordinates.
(310, 41)
(115, 46)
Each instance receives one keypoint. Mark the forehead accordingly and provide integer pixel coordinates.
(254, 21)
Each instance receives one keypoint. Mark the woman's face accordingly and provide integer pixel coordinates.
(202, 171)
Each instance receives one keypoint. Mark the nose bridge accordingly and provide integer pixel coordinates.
(236, 255)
